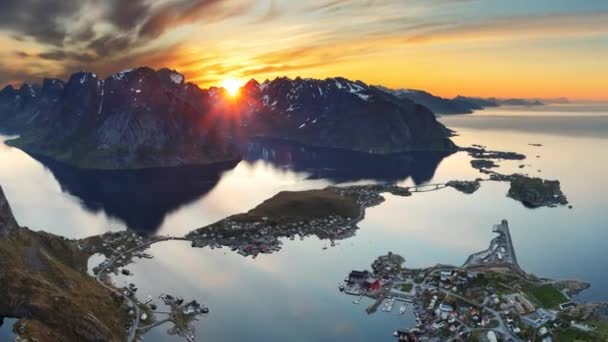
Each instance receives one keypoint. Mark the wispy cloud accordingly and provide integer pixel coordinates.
(207, 39)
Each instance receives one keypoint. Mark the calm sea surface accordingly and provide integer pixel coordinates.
(292, 295)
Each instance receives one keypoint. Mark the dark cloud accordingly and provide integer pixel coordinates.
(110, 45)
(22, 54)
(188, 11)
(41, 20)
(128, 15)
(60, 55)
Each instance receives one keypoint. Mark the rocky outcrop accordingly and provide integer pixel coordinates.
(536, 192)
(467, 187)
(572, 287)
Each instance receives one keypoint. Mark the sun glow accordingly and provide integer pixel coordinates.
(232, 86)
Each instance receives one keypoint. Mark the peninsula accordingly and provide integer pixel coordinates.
(488, 297)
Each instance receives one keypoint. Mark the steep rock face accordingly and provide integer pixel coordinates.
(7, 220)
(144, 118)
(438, 105)
(133, 119)
(339, 113)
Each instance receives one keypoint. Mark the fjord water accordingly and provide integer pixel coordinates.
(6, 328)
(293, 294)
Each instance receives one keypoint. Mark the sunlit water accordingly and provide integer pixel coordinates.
(292, 295)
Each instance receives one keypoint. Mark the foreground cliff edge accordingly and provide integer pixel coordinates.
(44, 282)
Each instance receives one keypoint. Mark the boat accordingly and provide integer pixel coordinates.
(402, 309)
(341, 287)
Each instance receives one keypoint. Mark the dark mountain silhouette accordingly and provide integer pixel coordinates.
(145, 119)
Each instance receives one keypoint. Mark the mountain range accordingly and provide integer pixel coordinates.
(457, 105)
(143, 118)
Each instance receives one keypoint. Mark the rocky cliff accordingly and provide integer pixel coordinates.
(43, 282)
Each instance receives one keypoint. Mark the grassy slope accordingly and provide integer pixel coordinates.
(546, 295)
(43, 280)
(305, 204)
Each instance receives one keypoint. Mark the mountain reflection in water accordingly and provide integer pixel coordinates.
(345, 166)
(143, 198)
(139, 198)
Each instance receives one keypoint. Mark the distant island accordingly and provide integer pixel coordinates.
(144, 118)
(459, 104)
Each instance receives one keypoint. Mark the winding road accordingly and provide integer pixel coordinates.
(133, 301)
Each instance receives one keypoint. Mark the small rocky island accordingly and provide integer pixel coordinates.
(488, 298)
(536, 192)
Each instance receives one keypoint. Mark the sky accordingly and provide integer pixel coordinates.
(516, 48)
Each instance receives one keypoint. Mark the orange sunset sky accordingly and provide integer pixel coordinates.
(539, 49)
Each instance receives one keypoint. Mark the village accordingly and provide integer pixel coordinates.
(487, 299)
(119, 250)
(254, 234)
(448, 302)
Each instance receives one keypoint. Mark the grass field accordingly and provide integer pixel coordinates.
(308, 204)
(546, 295)
(406, 287)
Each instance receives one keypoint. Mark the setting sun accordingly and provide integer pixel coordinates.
(232, 86)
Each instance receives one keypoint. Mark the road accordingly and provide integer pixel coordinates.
(132, 301)
(502, 328)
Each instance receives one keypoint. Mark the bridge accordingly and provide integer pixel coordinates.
(427, 187)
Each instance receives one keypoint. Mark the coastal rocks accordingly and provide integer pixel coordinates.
(571, 287)
(589, 311)
(536, 192)
(482, 153)
(483, 164)
(467, 187)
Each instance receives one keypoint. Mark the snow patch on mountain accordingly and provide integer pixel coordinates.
(177, 78)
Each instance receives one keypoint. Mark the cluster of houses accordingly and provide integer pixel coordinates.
(114, 246)
(254, 235)
(262, 235)
(360, 282)
(454, 302)
(369, 195)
